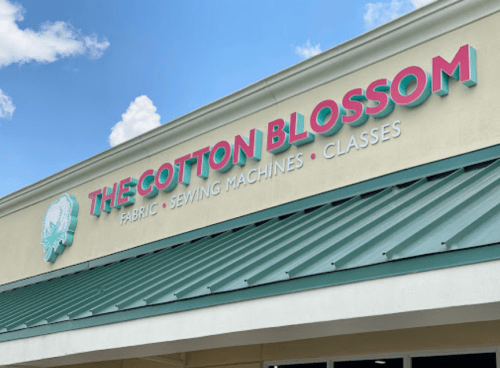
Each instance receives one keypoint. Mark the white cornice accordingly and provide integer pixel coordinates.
(403, 33)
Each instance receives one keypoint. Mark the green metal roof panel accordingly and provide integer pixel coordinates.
(451, 211)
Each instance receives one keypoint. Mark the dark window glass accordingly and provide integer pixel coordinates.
(306, 365)
(487, 360)
(375, 363)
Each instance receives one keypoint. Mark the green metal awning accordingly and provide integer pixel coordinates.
(436, 221)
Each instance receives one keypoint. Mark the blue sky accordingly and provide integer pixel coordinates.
(77, 77)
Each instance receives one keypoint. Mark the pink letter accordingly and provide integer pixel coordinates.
(298, 136)
(376, 92)
(166, 177)
(351, 101)
(95, 206)
(319, 114)
(125, 192)
(277, 136)
(221, 157)
(400, 85)
(108, 198)
(146, 184)
(462, 66)
(244, 148)
(201, 157)
(184, 169)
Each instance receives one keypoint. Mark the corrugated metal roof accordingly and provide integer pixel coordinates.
(454, 210)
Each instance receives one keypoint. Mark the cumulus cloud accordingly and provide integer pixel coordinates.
(6, 106)
(52, 41)
(384, 11)
(308, 50)
(140, 117)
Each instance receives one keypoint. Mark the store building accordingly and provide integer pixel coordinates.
(343, 212)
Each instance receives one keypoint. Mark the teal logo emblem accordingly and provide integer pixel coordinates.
(59, 224)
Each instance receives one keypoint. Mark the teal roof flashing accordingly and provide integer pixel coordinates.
(231, 253)
(401, 267)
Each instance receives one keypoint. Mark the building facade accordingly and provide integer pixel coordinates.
(340, 213)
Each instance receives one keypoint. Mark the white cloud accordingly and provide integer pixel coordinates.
(6, 106)
(52, 41)
(140, 117)
(419, 3)
(384, 11)
(95, 48)
(308, 50)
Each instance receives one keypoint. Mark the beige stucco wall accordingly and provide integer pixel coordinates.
(458, 336)
(463, 121)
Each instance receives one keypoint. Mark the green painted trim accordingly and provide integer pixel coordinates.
(387, 269)
(385, 181)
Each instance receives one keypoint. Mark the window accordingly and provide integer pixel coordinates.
(305, 365)
(469, 358)
(487, 360)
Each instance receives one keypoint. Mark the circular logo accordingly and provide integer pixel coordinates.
(59, 224)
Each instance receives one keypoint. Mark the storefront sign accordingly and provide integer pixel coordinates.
(410, 87)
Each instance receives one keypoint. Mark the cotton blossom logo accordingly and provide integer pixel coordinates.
(59, 225)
